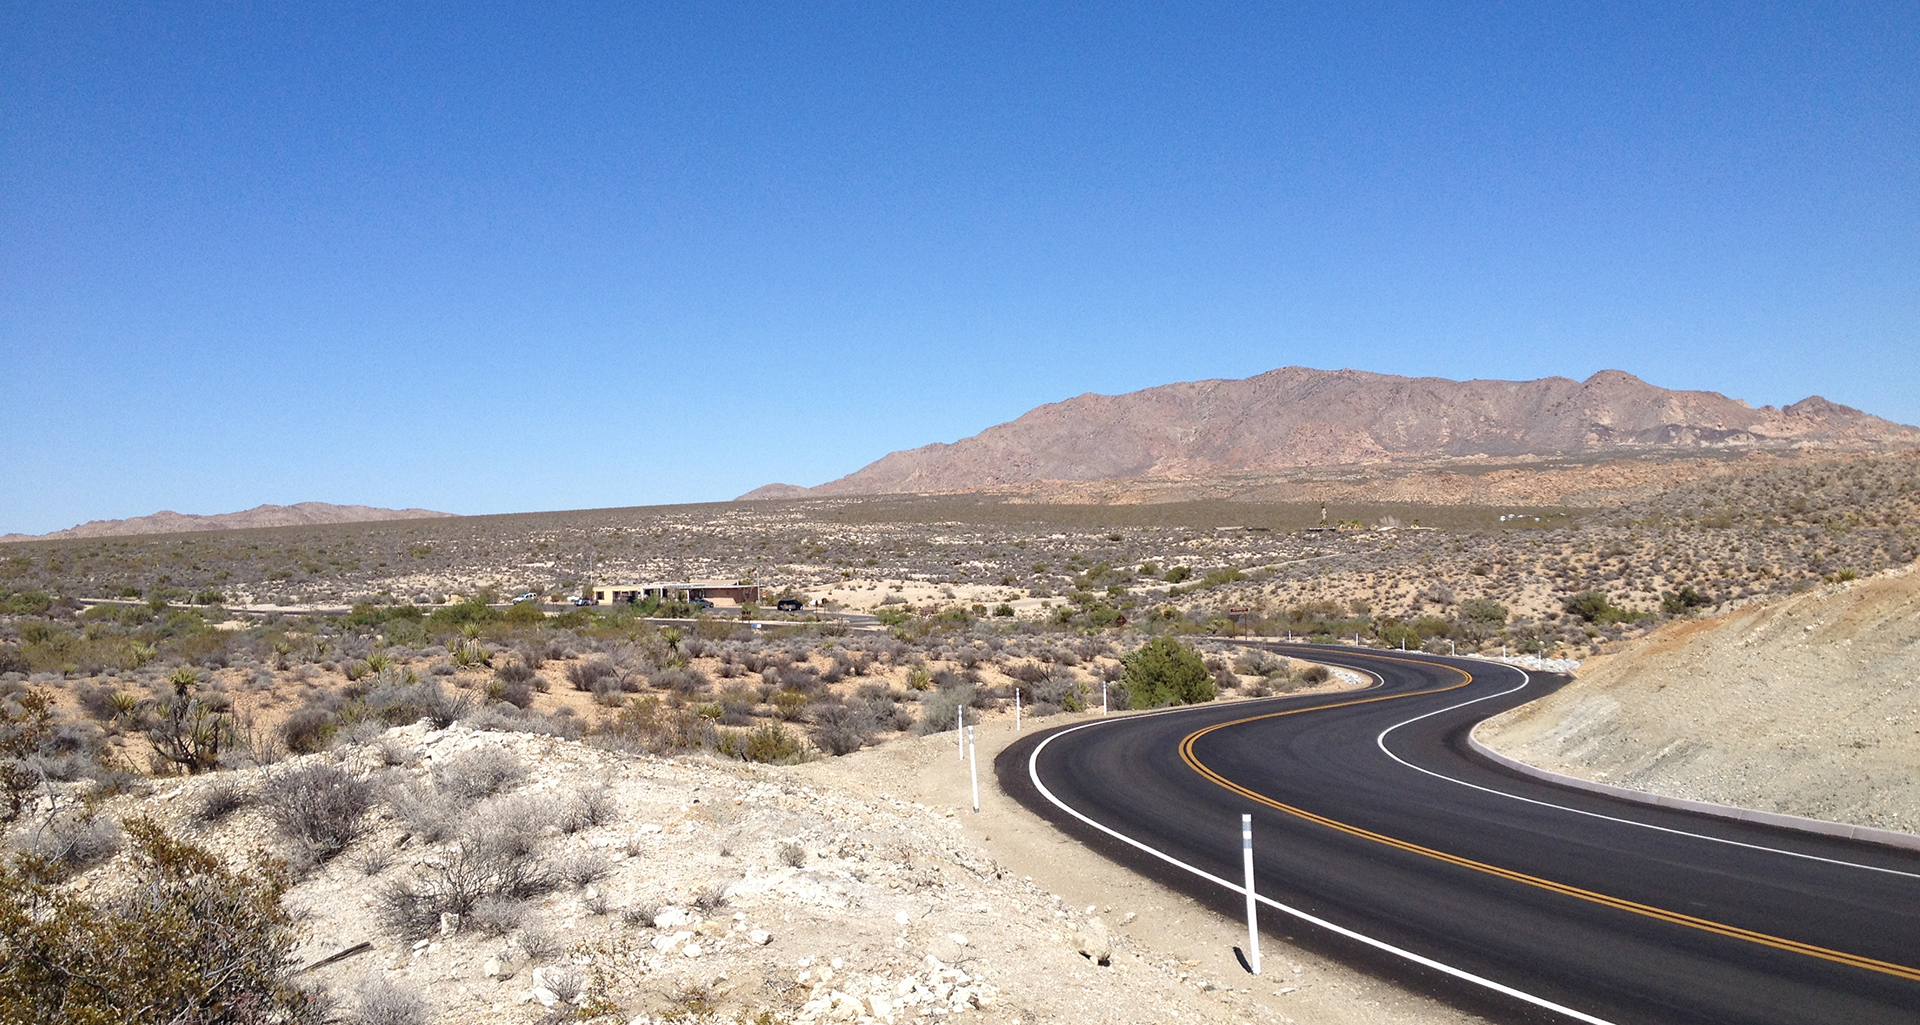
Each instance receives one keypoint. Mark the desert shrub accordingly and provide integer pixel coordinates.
(1683, 601)
(497, 915)
(771, 743)
(189, 941)
(1164, 671)
(1316, 674)
(581, 869)
(711, 898)
(884, 710)
(791, 854)
(73, 842)
(220, 800)
(427, 814)
(399, 699)
(681, 681)
(539, 944)
(479, 772)
(789, 704)
(26, 726)
(318, 807)
(592, 806)
(840, 729)
(1591, 606)
(1060, 690)
(379, 1001)
(940, 710)
(641, 915)
(1027, 672)
(659, 728)
(518, 693)
(308, 730)
(514, 672)
(585, 673)
(492, 858)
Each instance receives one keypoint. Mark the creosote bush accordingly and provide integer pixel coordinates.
(190, 941)
(479, 772)
(317, 806)
(1166, 672)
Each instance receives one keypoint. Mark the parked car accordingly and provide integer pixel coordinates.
(702, 603)
(584, 600)
(789, 604)
(525, 598)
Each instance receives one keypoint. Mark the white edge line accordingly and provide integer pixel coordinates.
(1526, 679)
(1033, 773)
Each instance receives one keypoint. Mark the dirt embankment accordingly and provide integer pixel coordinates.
(1808, 705)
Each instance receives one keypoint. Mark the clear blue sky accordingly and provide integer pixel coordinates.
(483, 260)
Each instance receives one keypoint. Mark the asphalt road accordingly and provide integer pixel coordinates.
(1382, 839)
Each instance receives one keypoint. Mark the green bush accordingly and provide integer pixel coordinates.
(1591, 606)
(1165, 672)
(1683, 601)
(189, 941)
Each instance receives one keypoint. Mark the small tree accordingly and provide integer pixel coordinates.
(1166, 672)
(188, 731)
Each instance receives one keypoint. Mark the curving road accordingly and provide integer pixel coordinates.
(1382, 839)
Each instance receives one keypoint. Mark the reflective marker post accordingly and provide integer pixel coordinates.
(973, 769)
(1016, 710)
(1103, 697)
(1253, 920)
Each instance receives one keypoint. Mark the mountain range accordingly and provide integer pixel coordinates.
(169, 522)
(1300, 417)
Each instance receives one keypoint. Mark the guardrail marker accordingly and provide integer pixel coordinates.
(1103, 697)
(973, 769)
(1016, 710)
(1253, 913)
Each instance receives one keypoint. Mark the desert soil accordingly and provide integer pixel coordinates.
(1807, 705)
(905, 905)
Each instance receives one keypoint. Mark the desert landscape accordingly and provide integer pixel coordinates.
(472, 808)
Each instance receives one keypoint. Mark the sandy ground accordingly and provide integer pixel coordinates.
(902, 905)
(1808, 705)
(1171, 936)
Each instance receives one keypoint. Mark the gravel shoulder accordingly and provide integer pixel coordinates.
(1807, 705)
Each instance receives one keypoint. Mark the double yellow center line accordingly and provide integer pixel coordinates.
(1662, 914)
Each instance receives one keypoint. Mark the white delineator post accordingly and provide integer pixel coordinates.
(1103, 697)
(973, 769)
(1016, 710)
(1253, 919)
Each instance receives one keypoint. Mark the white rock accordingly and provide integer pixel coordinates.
(491, 968)
(760, 937)
(672, 918)
(1093, 942)
(692, 950)
(900, 917)
(547, 997)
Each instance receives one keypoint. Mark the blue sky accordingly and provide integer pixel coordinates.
(499, 259)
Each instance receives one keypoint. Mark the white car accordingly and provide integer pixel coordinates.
(523, 599)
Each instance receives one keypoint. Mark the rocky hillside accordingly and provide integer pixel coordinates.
(1804, 705)
(168, 522)
(1299, 417)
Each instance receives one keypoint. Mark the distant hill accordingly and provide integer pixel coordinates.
(169, 522)
(1299, 417)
